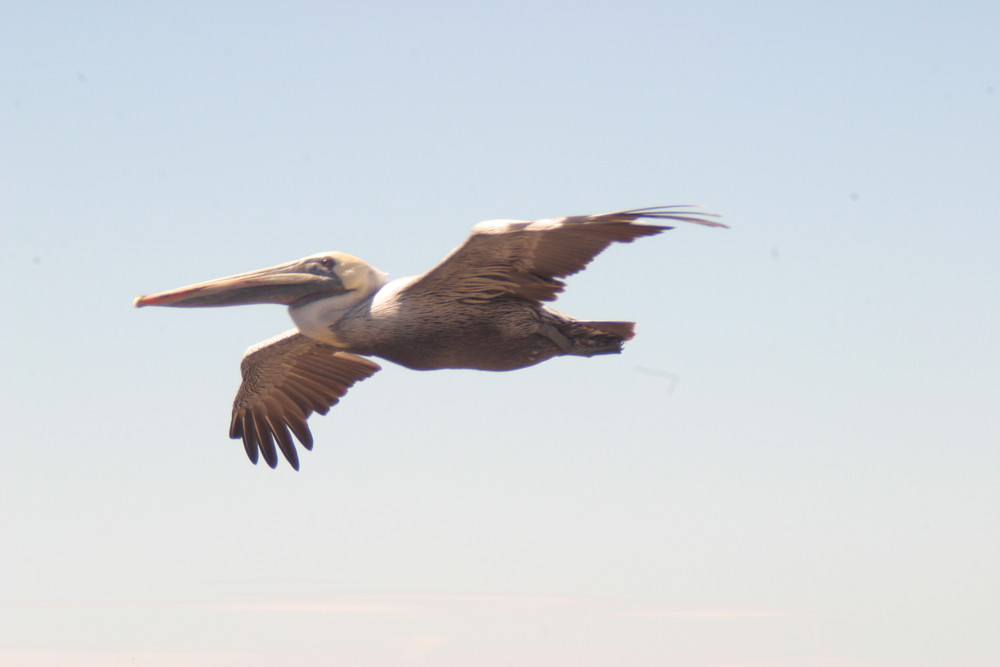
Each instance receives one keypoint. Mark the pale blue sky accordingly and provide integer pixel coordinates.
(795, 463)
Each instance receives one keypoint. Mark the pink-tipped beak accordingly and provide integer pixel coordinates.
(284, 284)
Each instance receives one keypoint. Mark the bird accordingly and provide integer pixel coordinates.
(482, 307)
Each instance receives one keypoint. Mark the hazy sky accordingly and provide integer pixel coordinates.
(796, 463)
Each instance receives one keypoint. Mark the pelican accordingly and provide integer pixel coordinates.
(481, 307)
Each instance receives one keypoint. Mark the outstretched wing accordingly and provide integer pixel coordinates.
(527, 258)
(286, 379)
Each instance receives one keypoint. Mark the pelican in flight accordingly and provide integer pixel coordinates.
(481, 307)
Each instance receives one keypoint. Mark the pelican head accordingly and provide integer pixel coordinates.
(295, 284)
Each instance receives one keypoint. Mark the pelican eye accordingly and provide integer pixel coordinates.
(327, 263)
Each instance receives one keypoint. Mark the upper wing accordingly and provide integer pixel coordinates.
(527, 258)
(285, 379)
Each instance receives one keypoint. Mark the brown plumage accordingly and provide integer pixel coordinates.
(481, 307)
(286, 379)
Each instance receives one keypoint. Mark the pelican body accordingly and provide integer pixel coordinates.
(481, 308)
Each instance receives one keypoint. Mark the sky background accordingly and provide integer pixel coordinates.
(796, 463)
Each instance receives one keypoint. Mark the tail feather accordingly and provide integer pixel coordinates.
(590, 338)
(623, 330)
(584, 338)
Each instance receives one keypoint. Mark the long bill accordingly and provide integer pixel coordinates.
(285, 283)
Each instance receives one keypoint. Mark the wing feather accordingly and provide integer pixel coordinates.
(528, 258)
(285, 380)
(264, 441)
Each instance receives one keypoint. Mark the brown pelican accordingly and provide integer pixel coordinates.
(480, 307)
